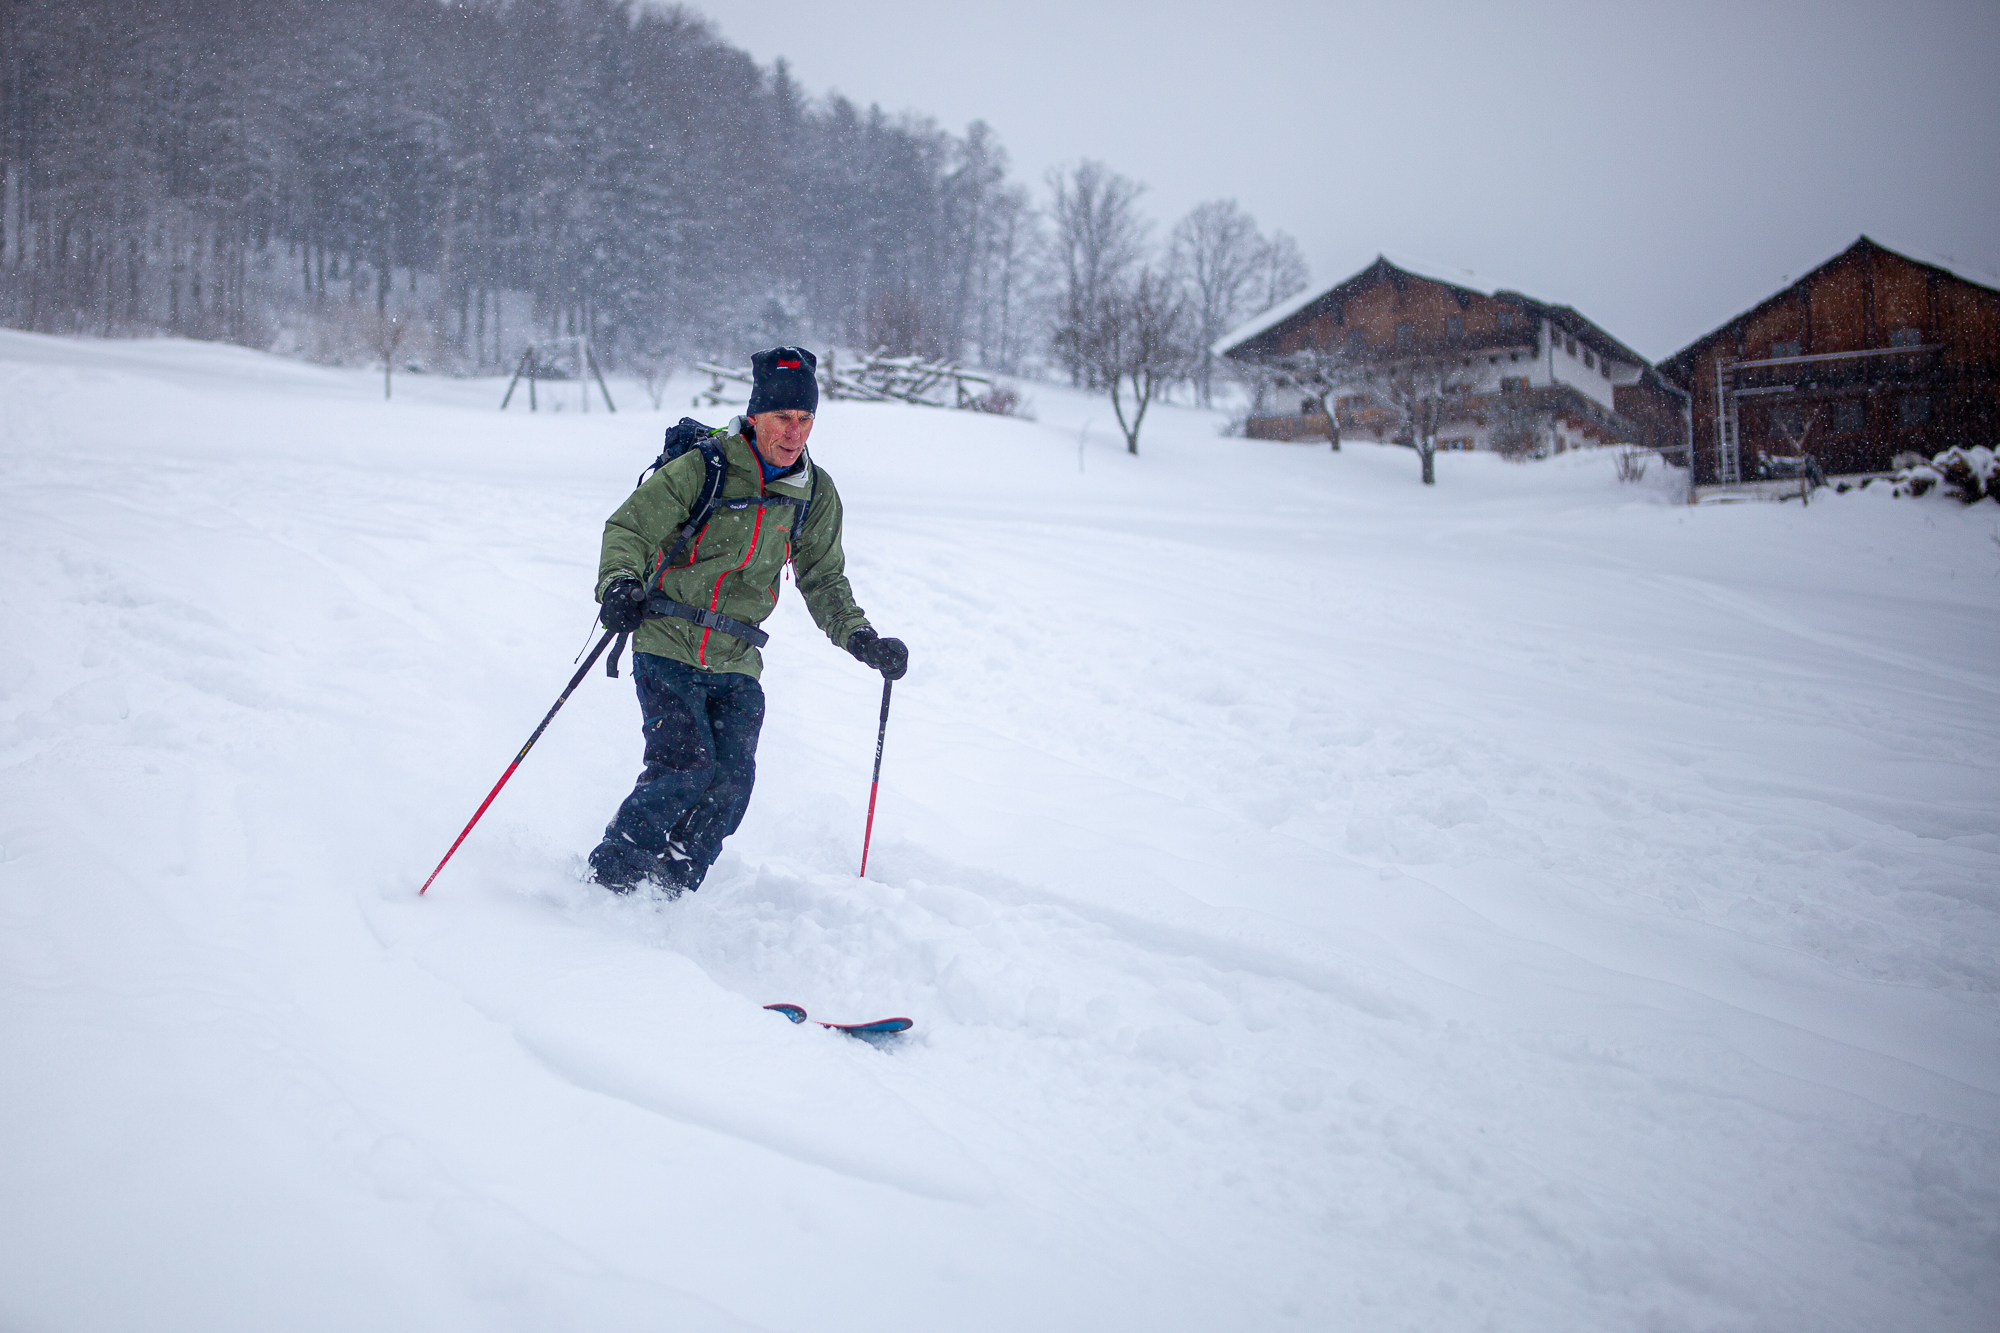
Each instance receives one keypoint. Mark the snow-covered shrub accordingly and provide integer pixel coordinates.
(1969, 475)
(1004, 400)
(1521, 430)
(1632, 465)
(1916, 480)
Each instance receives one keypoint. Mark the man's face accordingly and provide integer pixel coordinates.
(781, 436)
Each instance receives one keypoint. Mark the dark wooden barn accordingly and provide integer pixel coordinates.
(1871, 355)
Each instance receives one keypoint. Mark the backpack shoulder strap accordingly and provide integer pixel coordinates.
(715, 470)
(806, 513)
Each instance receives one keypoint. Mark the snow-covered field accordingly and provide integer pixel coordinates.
(1326, 903)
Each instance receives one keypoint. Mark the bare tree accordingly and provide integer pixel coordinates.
(1099, 239)
(1140, 344)
(1795, 428)
(1007, 280)
(1322, 374)
(1219, 253)
(1415, 397)
(388, 336)
(1281, 270)
(655, 369)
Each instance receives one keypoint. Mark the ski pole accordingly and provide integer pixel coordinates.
(881, 734)
(561, 699)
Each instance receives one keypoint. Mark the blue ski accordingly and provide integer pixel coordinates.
(881, 1027)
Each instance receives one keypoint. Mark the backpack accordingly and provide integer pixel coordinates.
(683, 435)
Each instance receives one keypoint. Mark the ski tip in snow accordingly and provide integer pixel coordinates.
(881, 1027)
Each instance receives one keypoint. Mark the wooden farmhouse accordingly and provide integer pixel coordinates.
(1870, 355)
(1522, 361)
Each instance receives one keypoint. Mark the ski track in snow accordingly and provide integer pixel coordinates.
(1324, 902)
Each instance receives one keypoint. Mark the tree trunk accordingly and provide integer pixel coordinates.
(196, 256)
(174, 285)
(1332, 422)
(1142, 395)
(1427, 450)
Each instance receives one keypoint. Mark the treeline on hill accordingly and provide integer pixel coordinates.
(302, 173)
(216, 170)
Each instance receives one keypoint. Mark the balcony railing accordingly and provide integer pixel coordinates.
(1884, 366)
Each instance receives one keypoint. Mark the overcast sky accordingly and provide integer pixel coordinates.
(1660, 168)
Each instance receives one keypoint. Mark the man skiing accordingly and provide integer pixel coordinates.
(693, 607)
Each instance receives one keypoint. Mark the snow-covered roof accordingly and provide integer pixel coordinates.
(1464, 278)
(1958, 268)
(1276, 315)
(1446, 273)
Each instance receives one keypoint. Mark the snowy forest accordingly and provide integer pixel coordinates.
(292, 174)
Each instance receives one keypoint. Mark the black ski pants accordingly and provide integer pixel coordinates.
(701, 760)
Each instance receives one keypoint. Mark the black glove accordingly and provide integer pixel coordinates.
(624, 606)
(887, 656)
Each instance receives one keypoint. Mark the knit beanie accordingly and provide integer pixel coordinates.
(783, 379)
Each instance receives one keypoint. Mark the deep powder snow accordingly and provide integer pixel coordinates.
(1325, 902)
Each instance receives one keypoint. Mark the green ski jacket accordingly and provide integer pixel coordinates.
(735, 562)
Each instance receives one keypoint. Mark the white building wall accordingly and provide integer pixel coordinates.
(1494, 366)
(1560, 366)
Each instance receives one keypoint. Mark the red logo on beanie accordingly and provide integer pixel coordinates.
(788, 365)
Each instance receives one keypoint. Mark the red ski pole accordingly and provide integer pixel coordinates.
(881, 734)
(561, 699)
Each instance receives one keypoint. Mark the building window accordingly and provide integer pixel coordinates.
(1604, 369)
(1787, 420)
(1513, 384)
(1306, 406)
(1504, 321)
(1406, 335)
(1454, 327)
(1915, 410)
(1785, 348)
(1569, 345)
(1457, 446)
(1588, 359)
(1847, 417)
(1906, 338)
(1357, 340)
